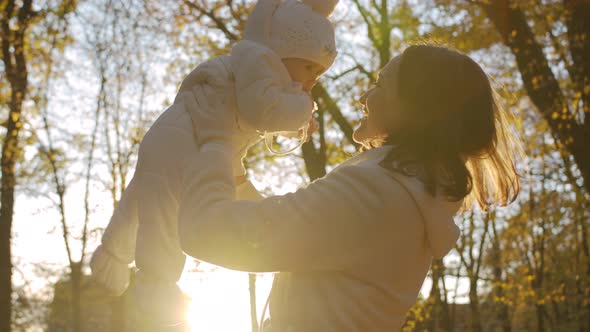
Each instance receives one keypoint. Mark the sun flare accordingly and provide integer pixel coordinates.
(221, 299)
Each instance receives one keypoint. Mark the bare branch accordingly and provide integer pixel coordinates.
(370, 21)
(344, 73)
(216, 20)
(335, 112)
(361, 68)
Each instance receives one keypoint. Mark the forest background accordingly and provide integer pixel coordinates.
(81, 82)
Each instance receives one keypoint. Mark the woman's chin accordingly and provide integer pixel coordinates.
(357, 137)
(367, 136)
(360, 133)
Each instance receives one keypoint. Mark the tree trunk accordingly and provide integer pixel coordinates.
(446, 312)
(315, 159)
(505, 319)
(474, 306)
(583, 284)
(13, 57)
(335, 112)
(540, 318)
(498, 290)
(540, 82)
(577, 19)
(76, 284)
(6, 212)
(439, 313)
(253, 311)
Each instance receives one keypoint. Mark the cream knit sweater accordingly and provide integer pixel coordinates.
(353, 248)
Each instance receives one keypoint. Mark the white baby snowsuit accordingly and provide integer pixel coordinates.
(255, 84)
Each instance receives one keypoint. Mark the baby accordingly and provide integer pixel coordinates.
(266, 82)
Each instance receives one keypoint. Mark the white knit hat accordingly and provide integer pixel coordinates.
(295, 29)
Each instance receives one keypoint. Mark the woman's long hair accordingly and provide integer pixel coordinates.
(452, 134)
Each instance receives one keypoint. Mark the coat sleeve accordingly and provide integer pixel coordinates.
(333, 222)
(267, 99)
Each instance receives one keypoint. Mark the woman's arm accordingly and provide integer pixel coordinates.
(331, 223)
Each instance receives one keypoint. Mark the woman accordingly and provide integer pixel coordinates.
(354, 247)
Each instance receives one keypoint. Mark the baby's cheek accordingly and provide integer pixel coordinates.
(295, 74)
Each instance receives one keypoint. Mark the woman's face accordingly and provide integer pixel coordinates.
(380, 105)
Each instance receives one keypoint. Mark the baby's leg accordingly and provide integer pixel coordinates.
(158, 255)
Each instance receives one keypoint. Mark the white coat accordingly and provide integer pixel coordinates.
(352, 248)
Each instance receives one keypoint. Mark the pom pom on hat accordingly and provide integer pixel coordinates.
(322, 7)
(295, 29)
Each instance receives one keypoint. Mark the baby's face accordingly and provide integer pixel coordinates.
(304, 71)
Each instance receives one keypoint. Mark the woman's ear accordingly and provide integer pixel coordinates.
(259, 22)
